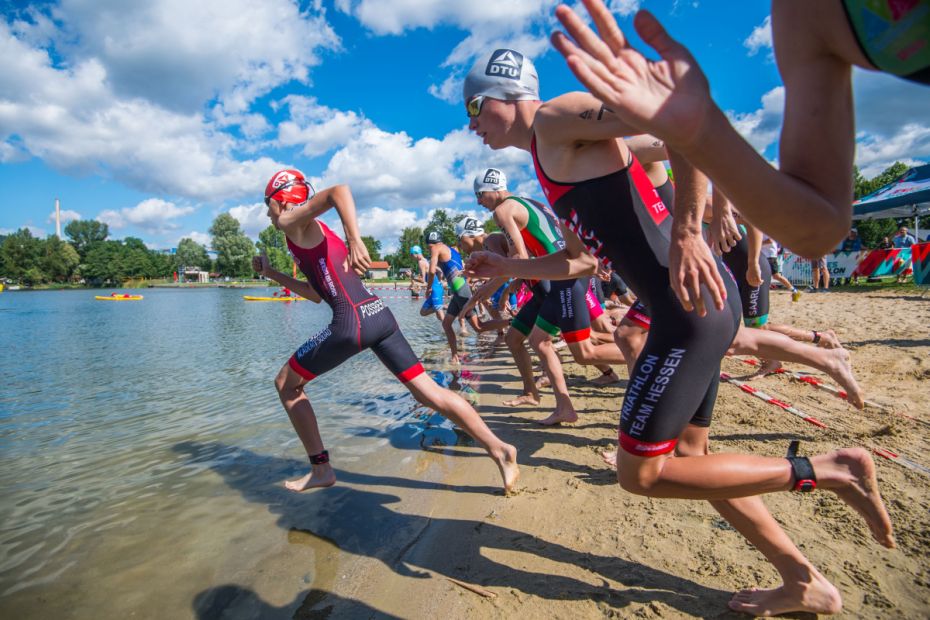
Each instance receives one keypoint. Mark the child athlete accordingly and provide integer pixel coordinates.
(609, 209)
(360, 321)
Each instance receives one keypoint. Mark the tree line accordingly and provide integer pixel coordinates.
(89, 255)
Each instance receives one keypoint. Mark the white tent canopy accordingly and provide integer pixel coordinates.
(908, 196)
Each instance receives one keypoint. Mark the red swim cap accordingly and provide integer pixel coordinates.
(288, 186)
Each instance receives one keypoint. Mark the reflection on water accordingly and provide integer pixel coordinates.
(100, 495)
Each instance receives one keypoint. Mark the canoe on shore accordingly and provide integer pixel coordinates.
(118, 297)
(252, 298)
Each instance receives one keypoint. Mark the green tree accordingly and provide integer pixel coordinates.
(192, 254)
(409, 237)
(19, 255)
(104, 263)
(374, 247)
(872, 231)
(59, 260)
(84, 233)
(445, 224)
(272, 242)
(234, 250)
(491, 226)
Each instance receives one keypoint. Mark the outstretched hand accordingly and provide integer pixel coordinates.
(484, 265)
(692, 265)
(669, 98)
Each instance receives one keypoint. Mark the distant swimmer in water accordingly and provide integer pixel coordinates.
(360, 321)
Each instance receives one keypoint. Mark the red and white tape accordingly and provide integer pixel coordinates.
(771, 400)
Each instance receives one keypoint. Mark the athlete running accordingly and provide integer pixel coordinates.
(433, 303)
(360, 321)
(609, 209)
(567, 307)
(448, 261)
(806, 203)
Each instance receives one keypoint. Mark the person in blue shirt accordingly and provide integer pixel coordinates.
(903, 239)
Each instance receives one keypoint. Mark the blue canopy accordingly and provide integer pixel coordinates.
(908, 196)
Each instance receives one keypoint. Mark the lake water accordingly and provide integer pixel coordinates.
(142, 446)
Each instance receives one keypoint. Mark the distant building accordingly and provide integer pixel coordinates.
(378, 269)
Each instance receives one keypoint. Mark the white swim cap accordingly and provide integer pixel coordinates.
(504, 74)
(469, 227)
(491, 180)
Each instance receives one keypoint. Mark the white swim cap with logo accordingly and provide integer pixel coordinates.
(469, 227)
(491, 180)
(504, 74)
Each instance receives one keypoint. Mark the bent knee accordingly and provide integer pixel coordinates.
(638, 480)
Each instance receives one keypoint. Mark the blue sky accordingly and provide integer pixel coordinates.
(157, 116)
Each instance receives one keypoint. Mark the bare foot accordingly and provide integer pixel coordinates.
(455, 359)
(319, 476)
(506, 460)
(817, 596)
(610, 457)
(559, 417)
(850, 473)
(606, 379)
(840, 370)
(542, 382)
(767, 367)
(523, 399)
(828, 340)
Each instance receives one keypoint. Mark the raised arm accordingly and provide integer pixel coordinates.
(338, 197)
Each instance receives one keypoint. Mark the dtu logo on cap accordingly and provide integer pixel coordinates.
(492, 176)
(505, 63)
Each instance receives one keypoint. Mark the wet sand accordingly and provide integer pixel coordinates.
(572, 544)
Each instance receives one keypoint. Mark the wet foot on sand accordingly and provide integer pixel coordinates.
(313, 480)
(767, 367)
(507, 462)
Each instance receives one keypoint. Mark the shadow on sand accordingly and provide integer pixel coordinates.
(362, 523)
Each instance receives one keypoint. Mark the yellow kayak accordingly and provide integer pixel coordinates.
(251, 298)
(118, 297)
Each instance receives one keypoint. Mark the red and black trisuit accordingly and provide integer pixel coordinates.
(360, 318)
(621, 219)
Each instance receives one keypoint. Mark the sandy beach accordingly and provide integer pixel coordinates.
(572, 544)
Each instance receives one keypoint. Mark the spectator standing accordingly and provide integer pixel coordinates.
(903, 239)
(885, 243)
(820, 275)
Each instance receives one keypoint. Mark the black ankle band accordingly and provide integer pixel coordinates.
(802, 471)
(319, 459)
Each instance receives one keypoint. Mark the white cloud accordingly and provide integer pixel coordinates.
(66, 216)
(761, 37)
(81, 118)
(152, 215)
(385, 225)
(624, 7)
(762, 127)
(253, 218)
(519, 24)
(179, 54)
(318, 128)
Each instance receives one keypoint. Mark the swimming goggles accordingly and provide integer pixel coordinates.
(473, 106)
